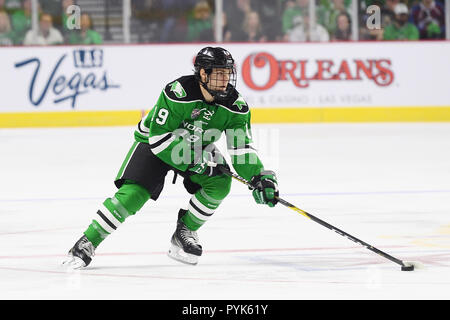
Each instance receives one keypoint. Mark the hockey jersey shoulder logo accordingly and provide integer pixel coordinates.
(240, 103)
(178, 89)
(235, 104)
(183, 90)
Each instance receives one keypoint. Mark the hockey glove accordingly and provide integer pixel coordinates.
(266, 188)
(209, 164)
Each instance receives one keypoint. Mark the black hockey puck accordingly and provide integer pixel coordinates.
(408, 268)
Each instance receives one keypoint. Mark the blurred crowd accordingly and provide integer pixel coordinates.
(243, 21)
(288, 20)
(53, 27)
(406, 20)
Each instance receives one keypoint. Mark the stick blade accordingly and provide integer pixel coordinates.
(411, 266)
(408, 268)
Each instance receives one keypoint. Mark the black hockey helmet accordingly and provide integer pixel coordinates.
(215, 57)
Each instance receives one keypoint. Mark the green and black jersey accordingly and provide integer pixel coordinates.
(182, 120)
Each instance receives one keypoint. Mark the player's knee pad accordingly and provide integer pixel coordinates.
(130, 198)
(226, 186)
(219, 187)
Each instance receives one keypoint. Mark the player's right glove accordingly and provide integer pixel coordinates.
(209, 164)
(265, 188)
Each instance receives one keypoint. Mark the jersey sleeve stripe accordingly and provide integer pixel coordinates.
(161, 145)
(247, 146)
(142, 129)
(240, 152)
(157, 140)
(236, 151)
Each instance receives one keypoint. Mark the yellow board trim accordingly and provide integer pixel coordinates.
(259, 115)
(70, 119)
(356, 114)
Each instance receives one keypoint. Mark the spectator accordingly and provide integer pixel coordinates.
(147, 17)
(293, 10)
(21, 21)
(6, 36)
(372, 32)
(53, 8)
(199, 21)
(388, 12)
(400, 28)
(343, 31)
(270, 14)
(171, 19)
(328, 12)
(63, 18)
(429, 18)
(251, 29)
(46, 35)
(86, 34)
(236, 11)
(301, 31)
(209, 35)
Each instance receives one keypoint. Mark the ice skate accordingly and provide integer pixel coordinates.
(184, 244)
(80, 256)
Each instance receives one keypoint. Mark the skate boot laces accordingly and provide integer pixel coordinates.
(87, 247)
(188, 236)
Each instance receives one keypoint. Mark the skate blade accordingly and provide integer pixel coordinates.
(179, 255)
(73, 263)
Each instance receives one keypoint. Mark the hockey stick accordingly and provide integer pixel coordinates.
(405, 266)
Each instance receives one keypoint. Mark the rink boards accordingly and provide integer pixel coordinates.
(282, 82)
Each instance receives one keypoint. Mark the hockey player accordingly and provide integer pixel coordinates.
(178, 134)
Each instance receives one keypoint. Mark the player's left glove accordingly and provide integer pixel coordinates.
(266, 188)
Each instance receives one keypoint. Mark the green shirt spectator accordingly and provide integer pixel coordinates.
(400, 28)
(86, 35)
(64, 16)
(293, 9)
(327, 13)
(199, 21)
(21, 21)
(406, 32)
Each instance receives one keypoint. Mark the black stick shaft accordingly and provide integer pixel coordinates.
(321, 222)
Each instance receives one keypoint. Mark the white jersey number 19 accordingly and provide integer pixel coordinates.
(162, 116)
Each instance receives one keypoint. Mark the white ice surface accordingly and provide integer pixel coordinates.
(387, 184)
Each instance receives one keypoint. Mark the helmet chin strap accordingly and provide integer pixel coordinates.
(205, 86)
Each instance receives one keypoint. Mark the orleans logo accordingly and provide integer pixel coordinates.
(303, 72)
(88, 74)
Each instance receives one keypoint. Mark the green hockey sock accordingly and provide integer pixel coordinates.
(201, 208)
(129, 199)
